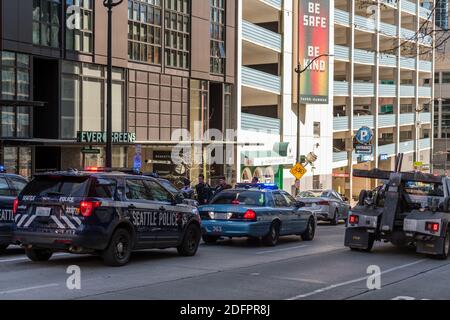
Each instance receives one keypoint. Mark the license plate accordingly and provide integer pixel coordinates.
(221, 216)
(43, 211)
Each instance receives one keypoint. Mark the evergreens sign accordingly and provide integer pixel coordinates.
(100, 137)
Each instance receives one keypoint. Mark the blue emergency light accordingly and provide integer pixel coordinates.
(261, 186)
(2, 169)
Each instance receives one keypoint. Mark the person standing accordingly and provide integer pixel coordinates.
(203, 191)
(187, 191)
(223, 185)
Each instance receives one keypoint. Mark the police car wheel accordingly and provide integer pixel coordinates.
(38, 255)
(191, 240)
(118, 251)
(209, 239)
(446, 249)
(310, 231)
(271, 239)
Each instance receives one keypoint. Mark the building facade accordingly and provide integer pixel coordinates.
(383, 71)
(173, 69)
(267, 47)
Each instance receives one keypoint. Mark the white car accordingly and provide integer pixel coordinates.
(327, 205)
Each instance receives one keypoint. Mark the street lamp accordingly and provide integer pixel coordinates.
(299, 72)
(109, 4)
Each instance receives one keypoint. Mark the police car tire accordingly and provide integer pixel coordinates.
(111, 256)
(310, 231)
(445, 251)
(3, 248)
(191, 240)
(271, 239)
(38, 255)
(209, 239)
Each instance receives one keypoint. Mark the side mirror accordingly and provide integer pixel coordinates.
(300, 204)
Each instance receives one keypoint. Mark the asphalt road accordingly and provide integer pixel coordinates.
(236, 269)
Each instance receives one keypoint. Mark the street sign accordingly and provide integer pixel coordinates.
(418, 164)
(90, 151)
(363, 149)
(298, 171)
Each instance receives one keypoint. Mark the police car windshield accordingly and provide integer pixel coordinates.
(169, 186)
(248, 198)
(57, 186)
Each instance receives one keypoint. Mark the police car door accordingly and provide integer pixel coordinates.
(6, 206)
(171, 217)
(143, 212)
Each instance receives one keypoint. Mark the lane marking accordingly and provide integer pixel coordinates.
(301, 280)
(334, 286)
(29, 288)
(284, 249)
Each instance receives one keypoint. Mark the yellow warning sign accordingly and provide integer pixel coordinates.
(298, 171)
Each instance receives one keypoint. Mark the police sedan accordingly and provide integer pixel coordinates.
(105, 213)
(10, 187)
(256, 211)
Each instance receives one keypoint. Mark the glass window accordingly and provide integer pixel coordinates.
(445, 77)
(18, 185)
(289, 199)
(280, 200)
(316, 129)
(80, 36)
(46, 22)
(176, 22)
(4, 188)
(57, 186)
(248, 198)
(136, 190)
(103, 188)
(8, 121)
(144, 31)
(158, 193)
(217, 35)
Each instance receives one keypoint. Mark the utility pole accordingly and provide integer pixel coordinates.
(109, 4)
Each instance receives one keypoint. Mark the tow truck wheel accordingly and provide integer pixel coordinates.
(335, 220)
(38, 255)
(310, 231)
(3, 248)
(444, 255)
(209, 239)
(118, 252)
(271, 239)
(370, 243)
(191, 240)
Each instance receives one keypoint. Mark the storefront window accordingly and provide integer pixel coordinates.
(119, 158)
(25, 162)
(10, 159)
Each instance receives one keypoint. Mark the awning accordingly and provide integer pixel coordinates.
(65, 142)
(265, 158)
(17, 103)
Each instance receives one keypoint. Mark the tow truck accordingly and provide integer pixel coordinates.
(409, 208)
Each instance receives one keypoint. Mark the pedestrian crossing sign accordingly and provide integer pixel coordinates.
(298, 171)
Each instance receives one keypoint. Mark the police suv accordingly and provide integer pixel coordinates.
(10, 187)
(105, 213)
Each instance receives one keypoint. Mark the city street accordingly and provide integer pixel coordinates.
(236, 269)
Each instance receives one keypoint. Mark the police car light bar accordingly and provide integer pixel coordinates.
(2, 169)
(96, 169)
(261, 186)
